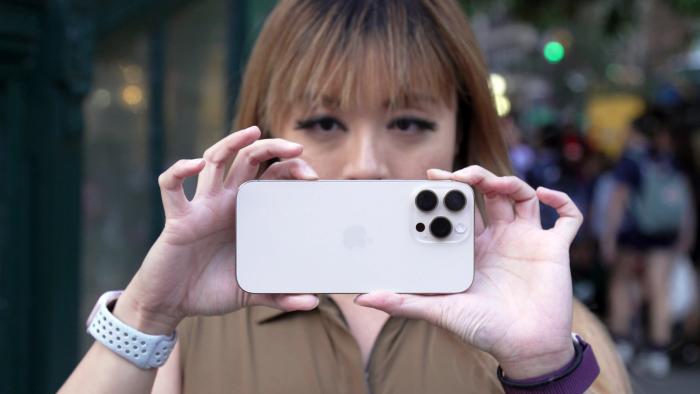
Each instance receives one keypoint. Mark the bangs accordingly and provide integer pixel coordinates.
(344, 53)
(339, 53)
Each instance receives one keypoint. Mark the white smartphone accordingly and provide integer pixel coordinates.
(354, 236)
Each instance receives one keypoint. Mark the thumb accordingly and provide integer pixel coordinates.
(285, 302)
(413, 306)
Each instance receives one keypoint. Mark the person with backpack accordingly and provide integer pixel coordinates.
(650, 221)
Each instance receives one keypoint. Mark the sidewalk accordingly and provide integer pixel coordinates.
(681, 380)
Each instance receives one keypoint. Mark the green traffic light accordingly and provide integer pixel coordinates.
(553, 51)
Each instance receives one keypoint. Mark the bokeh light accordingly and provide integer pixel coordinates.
(554, 51)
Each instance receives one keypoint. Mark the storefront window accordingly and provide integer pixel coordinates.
(117, 179)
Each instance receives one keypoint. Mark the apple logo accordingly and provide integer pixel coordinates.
(355, 237)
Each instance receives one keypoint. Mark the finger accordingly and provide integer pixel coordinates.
(216, 157)
(286, 302)
(413, 306)
(290, 169)
(170, 182)
(570, 218)
(498, 206)
(526, 204)
(524, 198)
(248, 160)
(437, 174)
(296, 302)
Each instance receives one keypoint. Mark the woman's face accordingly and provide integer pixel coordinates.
(374, 141)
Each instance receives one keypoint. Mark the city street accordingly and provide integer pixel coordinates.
(564, 142)
(681, 380)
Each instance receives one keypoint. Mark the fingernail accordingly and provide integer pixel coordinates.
(309, 172)
(381, 298)
(247, 130)
(440, 171)
(316, 301)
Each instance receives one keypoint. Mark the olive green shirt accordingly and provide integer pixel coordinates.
(265, 351)
(262, 350)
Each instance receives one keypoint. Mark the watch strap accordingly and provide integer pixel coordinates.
(575, 377)
(143, 350)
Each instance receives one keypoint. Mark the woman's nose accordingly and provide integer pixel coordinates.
(364, 158)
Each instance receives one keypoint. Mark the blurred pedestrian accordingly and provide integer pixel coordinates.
(522, 155)
(650, 220)
(546, 170)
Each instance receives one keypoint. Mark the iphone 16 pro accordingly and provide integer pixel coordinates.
(354, 236)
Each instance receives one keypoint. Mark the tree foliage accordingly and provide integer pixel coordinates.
(547, 13)
(690, 7)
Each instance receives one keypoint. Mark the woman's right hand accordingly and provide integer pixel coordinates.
(191, 269)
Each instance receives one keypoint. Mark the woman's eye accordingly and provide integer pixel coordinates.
(324, 124)
(412, 125)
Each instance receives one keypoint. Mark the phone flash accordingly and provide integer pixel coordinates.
(460, 229)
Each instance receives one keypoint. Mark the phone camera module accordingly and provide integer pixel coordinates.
(426, 200)
(455, 200)
(440, 227)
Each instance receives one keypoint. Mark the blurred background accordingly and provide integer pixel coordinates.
(97, 98)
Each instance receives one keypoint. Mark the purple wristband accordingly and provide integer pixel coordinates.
(574, 377)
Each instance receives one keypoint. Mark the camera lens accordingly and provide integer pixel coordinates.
(426, 200)
(455, 200)
(440, 227)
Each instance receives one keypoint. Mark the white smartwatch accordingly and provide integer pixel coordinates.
(143, 350)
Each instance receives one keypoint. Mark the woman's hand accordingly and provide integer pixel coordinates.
(519, 307)
(190, 270)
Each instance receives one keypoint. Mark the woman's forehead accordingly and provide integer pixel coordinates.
(375, 99)
(363, 77)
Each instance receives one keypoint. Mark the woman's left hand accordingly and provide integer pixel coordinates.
(519, 307)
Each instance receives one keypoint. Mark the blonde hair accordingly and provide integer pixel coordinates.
(312, 50)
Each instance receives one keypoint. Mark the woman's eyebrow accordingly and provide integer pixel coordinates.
(418, 101)
(330, 102)
(325, 101)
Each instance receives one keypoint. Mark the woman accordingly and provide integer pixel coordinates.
(650, 221)
(357, 90)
